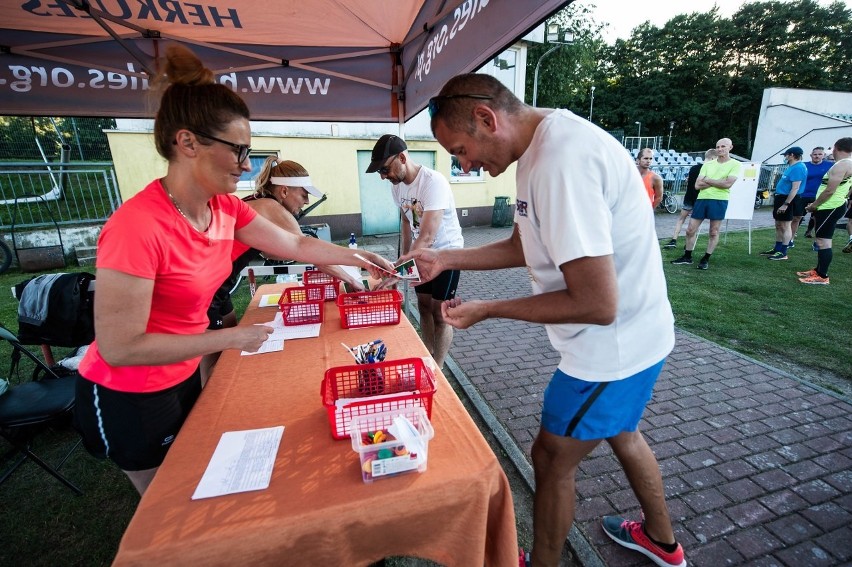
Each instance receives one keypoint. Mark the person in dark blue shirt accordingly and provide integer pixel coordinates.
(786, 196)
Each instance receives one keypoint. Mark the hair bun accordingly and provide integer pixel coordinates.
(185, 68)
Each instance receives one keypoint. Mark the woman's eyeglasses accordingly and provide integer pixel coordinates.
(385, 169)
(435, 101)
(241, 150)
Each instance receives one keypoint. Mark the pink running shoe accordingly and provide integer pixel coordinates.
(632, 536)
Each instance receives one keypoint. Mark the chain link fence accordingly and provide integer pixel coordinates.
(55, 170)
(45, 138)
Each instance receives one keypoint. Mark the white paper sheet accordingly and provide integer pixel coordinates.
(242, 462)
(301, 331)
(282, 332)
(274, 342)
(353, 271)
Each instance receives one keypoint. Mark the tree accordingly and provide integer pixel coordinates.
(566, 76)
(702, 71)
(25, 138)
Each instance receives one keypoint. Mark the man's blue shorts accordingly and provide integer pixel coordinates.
(596, 410)
(710, 209)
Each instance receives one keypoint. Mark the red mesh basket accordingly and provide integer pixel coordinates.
(369, 308)
(331, 284)
(365, 389)
(302, 305)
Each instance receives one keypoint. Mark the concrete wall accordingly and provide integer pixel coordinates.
(799, 117)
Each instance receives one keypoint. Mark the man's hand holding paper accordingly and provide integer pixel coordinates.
(429, 265)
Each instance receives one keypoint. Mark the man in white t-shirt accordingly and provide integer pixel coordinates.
(428, 220)
(585, 232)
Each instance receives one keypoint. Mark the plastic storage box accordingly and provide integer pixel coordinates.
(365, 389)
(369, 308)
(330, 283)
(392, 443)
(302, 305)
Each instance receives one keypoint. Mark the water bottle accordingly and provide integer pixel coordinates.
(352, 243)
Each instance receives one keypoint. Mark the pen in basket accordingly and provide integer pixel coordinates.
(368, 353)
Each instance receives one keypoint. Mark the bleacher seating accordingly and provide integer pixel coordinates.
(672, 165)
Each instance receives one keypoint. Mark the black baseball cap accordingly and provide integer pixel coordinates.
(387, 146)
(795, 150)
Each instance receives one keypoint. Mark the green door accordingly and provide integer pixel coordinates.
(379, 214)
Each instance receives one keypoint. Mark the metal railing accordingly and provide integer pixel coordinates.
(36, 194)
(674, 176)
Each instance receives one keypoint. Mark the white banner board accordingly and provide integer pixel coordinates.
(741, 201)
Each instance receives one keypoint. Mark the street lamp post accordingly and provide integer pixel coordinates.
(671, 127)
(639, 134)
(552, 36)
(592, 103)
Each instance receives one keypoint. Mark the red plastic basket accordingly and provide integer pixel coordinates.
(332, 284)
(302, 305)
(369, 308)
(364, 389)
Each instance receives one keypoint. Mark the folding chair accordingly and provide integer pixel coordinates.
(30, 406)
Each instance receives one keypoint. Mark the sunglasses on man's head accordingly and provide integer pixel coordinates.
(242, 150)
(435, 101)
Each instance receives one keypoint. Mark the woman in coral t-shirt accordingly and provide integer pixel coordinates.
(161, 257)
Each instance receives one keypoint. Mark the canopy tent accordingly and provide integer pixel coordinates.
(314, 60)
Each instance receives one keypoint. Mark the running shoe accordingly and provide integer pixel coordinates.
(632, 536)
(703, 265)
(814, 247)
(768, 252)
(778, 256)
(807, 274)
(682, 260)
(792, 244)
(815, 279)
(670, 244)
(848, 248)
(808, 235)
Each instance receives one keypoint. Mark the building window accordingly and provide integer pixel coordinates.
(256, 160)
(459, 176)
(507, 67)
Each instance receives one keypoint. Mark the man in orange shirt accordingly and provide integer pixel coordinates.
(653, 182)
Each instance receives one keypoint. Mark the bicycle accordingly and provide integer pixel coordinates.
(6, 256)
(669, 203)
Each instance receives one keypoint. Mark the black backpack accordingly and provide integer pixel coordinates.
(70, 318)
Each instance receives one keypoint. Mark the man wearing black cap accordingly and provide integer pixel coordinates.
(429, 221)
(786, 196)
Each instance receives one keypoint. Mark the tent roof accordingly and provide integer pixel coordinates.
(340, 60)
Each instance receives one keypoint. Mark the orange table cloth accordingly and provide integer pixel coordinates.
(317, 510)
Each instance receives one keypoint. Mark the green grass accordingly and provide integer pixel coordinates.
(743, 302)
(758, 307)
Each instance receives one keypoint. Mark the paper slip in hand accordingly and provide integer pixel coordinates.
(408, 270)
(242, 462)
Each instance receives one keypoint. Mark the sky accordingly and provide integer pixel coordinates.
(622, 21)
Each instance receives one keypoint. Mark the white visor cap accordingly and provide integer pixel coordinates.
(298, 182)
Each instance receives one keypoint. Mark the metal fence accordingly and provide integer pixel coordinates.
(29, 138)
(36, 195)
